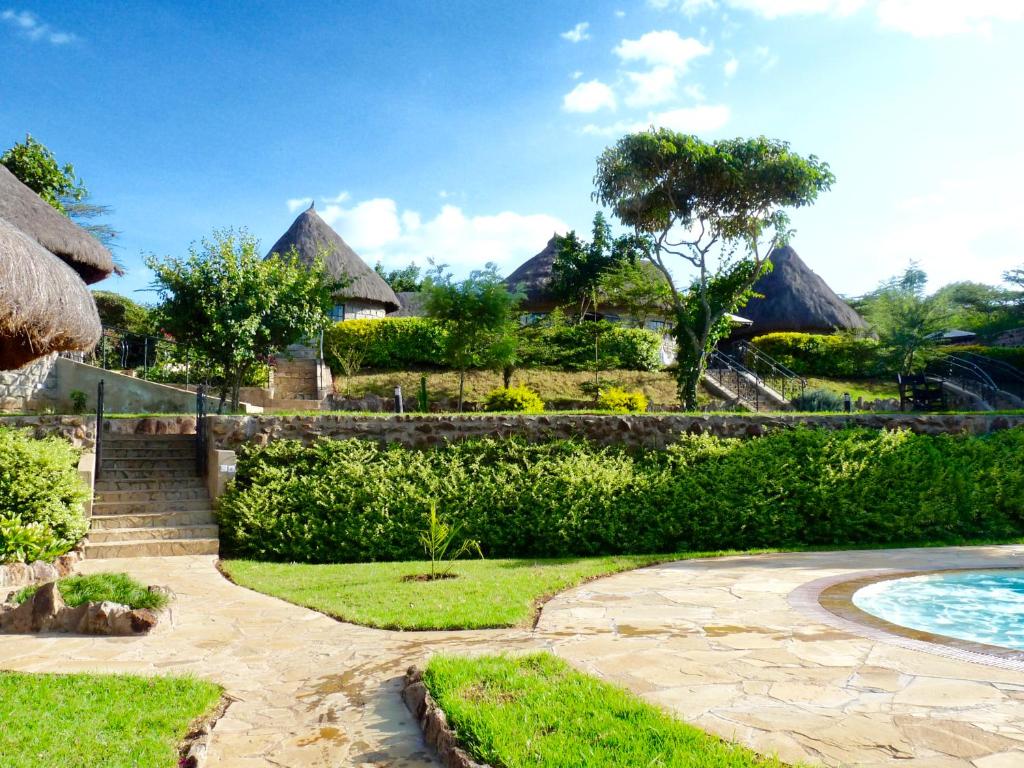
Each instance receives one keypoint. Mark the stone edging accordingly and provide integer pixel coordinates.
(807, 599)
(193, 751)
(26, 574)
(45, 611)
(432, 721)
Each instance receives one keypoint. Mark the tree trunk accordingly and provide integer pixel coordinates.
(506, 376)
(462, 386)
(239, 375)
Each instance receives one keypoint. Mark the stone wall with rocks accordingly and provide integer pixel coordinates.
(28, 387)
(80, 431)
(649, 431)
(16, 575)
(45, 611)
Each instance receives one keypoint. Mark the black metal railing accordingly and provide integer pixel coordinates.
(201, 430)
(774, 374)
(964, 374)
(153, 358)
(99, 430)
(1006, 377)
(736, 377)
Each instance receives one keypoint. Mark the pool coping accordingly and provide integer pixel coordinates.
(830, 601)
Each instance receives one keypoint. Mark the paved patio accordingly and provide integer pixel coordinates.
(716, 641)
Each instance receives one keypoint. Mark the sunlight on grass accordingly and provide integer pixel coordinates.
(100, 587)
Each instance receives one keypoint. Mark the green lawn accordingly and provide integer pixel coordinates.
(869, 389)
(94, 721)
(486, 593)
(98, 587)
(537, 711)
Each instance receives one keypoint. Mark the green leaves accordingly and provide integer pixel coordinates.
(438, 540)
(36, 167)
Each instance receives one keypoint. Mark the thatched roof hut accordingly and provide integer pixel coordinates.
(534, 278)
(45, 262)
(312, 236)
(796, 299)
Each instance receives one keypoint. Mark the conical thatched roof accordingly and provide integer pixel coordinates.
(312, 236)
(44, 305)
(25, 210)
(534, 277)
(796, 299)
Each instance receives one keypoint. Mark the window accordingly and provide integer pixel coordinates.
(337, 313)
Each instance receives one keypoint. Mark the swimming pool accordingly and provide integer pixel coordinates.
(979, 606)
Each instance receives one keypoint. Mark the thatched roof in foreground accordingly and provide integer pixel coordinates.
(796, 299)
(312, 236)
(534, 277)
(44, 305)
(55, 232)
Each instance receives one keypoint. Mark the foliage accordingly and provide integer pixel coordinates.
(78, 400)
(552, 343)
(578, 268)
(535, 710)
(352, 501)
(519, 399)
(98, 720)
(815, 400)
(406, 279)
(984, 309)
(36, 167)
(438, 540)
(477, 313)
(908, 322)
(41, 497)
(718, 206)
(99, 587)
(390, 344)
(84, 212)
(236, 308)
(1012, 355)
(494, 593)
(638, 290)
(117, 311)
(620, 401)
(836, 355)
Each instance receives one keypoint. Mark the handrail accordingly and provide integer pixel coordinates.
(965, 374)
(789, 383)
(746, 384)
(1003, 374)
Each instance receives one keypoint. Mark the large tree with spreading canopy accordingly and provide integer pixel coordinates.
(720, 208)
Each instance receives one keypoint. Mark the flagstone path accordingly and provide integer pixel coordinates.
(718, 642)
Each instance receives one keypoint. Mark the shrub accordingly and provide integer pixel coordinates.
(818, 400)
(521, 399)
(41, 497)
(351, 501)
(100, 587)
(620, 401)
(839, 355)
(1012, 355)
(391, 343)
(571, 347)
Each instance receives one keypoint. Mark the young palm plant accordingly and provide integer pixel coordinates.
(438, 541)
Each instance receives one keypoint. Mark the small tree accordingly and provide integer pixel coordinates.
(717, 206)
(406, 279)
(638, 289)
(478, 312)
(236, 308)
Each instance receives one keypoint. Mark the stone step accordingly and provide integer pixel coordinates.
(143, 496)
(147, 519)
(148, 453)
(150, 463)
(146, 506)
(152, 533)
(143, 437)
(161, 548)
(104, 484)
(154, 473)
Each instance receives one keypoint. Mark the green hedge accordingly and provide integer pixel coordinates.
(402, 343)
(1012, 355)
(41, 497)
(350, 501)
(827, 355)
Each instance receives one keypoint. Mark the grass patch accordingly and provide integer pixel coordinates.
(868, 389)
(537, 711)
(100, 587)
(485, 594)
(82, 721)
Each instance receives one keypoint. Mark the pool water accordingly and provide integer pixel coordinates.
(980, 606)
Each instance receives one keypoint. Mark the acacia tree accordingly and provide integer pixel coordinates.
(478, 313)
(236, 308)
(720, 208)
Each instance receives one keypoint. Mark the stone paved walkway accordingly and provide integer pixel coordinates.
(714, 641)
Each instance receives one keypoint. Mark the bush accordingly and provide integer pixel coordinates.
(818, 400)
(351, 501)
(391, 343)
(620, 401)
(839, 355)
(1012, 355)
(41, 497)
(571, 347)
(102, 587)
(521, 399)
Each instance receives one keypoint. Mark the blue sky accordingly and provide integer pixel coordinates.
(468, 131)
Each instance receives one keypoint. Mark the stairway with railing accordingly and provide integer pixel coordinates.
(774, 374)
(974, 374)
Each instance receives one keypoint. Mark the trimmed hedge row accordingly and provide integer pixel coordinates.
(351, 501)
(401, 343)
(41, 497)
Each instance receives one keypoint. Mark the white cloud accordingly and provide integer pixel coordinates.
(731, 66)
(773, 9)
(766, 59)
(297, 203)
(341, 197)
(699, 119)
(589, 97)
(578, 33)
(577, 74)
(620, 14)
(655, 86)
(663, 47)
(31, 27)
(379, 232)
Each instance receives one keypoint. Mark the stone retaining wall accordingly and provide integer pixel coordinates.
(78, 430)
(27, 386)
(650, 431)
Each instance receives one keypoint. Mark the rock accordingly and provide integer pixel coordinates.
(46, 605)
(16, 618)
(142, 620)
(97, 618)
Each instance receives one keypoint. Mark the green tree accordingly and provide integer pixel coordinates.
(234, 307)
(578, 266)
(406, 279)
(720, 208)
(1015, 277)
(638, 289)
(36, 167)
(478, 312)
(85, 213)
(908, 322)
(117, 311)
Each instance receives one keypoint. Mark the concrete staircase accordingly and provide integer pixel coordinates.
(150, 500)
